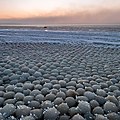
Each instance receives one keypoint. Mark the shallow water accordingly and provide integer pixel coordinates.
(96, 34)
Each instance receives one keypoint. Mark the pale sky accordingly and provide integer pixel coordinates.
(60, 11)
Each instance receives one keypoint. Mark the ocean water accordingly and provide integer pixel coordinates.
(73, 34)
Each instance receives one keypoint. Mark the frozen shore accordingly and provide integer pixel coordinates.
(54, 81)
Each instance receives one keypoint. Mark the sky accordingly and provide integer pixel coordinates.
(59, 11)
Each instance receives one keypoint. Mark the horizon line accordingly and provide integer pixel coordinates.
(56, 24)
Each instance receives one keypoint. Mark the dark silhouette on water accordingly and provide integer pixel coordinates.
(45, 26)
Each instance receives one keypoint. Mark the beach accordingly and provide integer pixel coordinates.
(58, 81)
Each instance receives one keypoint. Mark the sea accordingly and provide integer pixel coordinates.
(105, 35)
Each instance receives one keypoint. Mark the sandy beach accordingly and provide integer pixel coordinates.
(53, 81)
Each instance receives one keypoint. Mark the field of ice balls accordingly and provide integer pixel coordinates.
(59, 82)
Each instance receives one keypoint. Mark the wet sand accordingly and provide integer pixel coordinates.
(59, 82)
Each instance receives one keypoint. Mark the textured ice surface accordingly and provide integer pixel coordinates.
(99, 35)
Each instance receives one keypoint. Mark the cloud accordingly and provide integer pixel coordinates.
(105, 16)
